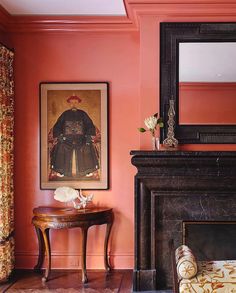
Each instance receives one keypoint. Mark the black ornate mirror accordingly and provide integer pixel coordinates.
(198, 71)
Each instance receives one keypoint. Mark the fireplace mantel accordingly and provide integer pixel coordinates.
(190, 176)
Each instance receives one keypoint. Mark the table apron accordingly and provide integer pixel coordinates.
(62, 225)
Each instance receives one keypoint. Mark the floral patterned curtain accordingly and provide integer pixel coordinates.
(6, 163)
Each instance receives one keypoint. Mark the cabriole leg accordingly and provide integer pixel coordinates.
(48, 254)
(84, 246)
(108, 232)
(41, 249)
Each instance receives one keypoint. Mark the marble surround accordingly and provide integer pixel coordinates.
(172, 187)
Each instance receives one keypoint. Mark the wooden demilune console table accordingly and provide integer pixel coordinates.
(46, 218)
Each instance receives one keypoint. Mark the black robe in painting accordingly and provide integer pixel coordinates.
(73, 131)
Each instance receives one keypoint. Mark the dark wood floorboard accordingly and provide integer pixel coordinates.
(27, 281)
(126, 283)
(4, 287)
(70, 282)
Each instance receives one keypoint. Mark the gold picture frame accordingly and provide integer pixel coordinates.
(74, 135)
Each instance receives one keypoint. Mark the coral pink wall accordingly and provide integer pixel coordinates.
(4, 40)
(202, 103)
(76, 57)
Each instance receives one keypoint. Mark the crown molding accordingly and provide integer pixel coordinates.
(147, 2)
(22, 24)
(209, 11)
(67, 23)
(134, 9)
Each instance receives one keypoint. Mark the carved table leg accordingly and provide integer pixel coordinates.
(108, 232)
(48, 254)
(84, 246)
(41, 249)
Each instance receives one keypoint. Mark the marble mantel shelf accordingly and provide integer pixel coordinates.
(179, 153)
(189, 163)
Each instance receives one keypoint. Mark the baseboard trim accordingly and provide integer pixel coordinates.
(27, 260)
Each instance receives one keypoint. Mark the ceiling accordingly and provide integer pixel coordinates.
(64, 7)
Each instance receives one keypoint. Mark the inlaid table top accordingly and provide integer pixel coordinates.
(69, 212)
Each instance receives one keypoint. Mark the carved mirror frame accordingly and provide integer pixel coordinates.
(171, 35)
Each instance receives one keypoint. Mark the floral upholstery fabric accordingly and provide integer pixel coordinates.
(6, 259)
(6, 163)
(187, 267)
(181, 251)
(212, 277)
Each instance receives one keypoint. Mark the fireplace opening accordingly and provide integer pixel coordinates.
(211, 240)
(174, 211)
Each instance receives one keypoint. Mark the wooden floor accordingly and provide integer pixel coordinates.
(119, 281)
(70, 282)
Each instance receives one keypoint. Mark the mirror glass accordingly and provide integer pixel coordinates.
(207, 83)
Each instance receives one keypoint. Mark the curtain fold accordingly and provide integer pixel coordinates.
(6, 163)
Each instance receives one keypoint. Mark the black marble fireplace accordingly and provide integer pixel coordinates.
(173, 188)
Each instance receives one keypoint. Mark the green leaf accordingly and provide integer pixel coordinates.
(161, 124)
(141, 129)
(160, 120)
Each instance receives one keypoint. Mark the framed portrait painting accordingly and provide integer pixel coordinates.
(74, 135)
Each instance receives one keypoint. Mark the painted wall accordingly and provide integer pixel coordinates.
(5, 40)
(202, 103)
(112, 57)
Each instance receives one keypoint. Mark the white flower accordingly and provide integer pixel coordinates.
(65, 194)
(151, 122)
